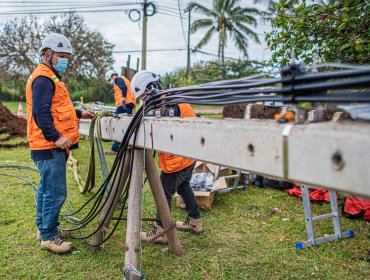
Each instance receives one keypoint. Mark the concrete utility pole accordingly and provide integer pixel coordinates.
(188, 55)
(144, 41)
(341, 162)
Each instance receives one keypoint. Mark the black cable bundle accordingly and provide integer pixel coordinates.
(293, 86)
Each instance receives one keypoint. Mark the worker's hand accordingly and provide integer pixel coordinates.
(63, 143)
(88, 114)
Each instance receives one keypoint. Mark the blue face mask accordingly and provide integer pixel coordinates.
(61, 65)
(111, 83)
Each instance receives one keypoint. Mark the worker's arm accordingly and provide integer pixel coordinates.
(79, 114)
(42, 95)
(121, 84)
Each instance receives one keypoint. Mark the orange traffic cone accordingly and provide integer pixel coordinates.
(20, 111)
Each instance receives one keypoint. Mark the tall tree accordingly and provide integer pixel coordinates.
(229, 20)
(19, 43)
(20, 40)
(92, 54)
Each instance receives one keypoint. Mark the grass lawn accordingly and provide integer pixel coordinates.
(13, 106)
(243, 240)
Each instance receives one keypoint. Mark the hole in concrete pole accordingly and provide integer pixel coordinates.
(251, 149)
(171, 137)
(337, 161)
(202, 141)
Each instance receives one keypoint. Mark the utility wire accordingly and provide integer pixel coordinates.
(182, 24)
(154, 50)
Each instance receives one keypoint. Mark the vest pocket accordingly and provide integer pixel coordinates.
(64, 113)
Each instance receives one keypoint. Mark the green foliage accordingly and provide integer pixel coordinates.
(285, 4)
(205, 72)
(332, 31)
(93, 89)
(10, 92)
(228, 20)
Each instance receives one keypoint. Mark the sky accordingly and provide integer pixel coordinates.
(166, 30)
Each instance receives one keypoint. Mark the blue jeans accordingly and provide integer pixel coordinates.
(120, 110)
(125, 109)
(52, 192)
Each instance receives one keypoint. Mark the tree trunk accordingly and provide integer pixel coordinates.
(222, 45)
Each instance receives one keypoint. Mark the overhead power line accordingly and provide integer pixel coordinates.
(155, 50)
(213, 54)
(182, 24)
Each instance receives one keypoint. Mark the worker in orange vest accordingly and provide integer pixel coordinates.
(52, 130)
(176, 171)
(124, 98)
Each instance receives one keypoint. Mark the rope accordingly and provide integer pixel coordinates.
(90, 181)
(72, 165)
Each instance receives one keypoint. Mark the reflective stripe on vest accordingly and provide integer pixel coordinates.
(130, 98)
(62, 110)
(171, 163)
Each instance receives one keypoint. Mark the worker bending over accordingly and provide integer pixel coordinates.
(176, 171)
(124, 98)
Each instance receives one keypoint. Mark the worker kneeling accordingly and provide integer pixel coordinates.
(176, 171)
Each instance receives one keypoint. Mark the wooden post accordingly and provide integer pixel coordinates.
(134, 210)
(144, 38)
(117, 188)
(162, 205)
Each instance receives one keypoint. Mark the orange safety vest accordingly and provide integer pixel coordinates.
(130, 98)
(62, 110)
(171, 163)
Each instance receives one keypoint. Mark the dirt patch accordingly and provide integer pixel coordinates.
(339, 115)
(234, 111)
(257, 111)
(11, 125)
(12, 146)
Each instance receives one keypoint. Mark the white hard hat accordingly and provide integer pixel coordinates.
(109, 74)
(141, 80)
(56, 42)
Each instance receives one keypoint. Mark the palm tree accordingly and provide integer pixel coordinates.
(229, 20)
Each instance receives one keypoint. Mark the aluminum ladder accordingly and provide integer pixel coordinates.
(235, 177)
(309, 220)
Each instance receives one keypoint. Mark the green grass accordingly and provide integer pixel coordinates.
(195, 106)
(211, 115)
(13, 106)
(250, 245)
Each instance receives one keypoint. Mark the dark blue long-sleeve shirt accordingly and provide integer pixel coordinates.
(43, 89)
